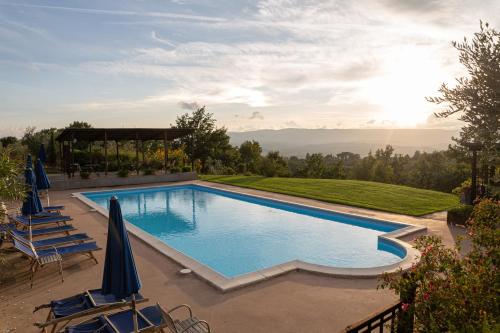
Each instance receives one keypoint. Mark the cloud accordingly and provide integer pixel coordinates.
(158, 39)
(189, 105)
(95, 11)
(257, 115)
(371, 121)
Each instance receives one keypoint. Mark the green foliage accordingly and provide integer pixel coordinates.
(123, 173)
(7, 141)
(456, 293)
(186, 168)
(459, 215)
(207, 140)
(379, 196)
(175, 169)
(476, 97)
(84, 175)
(250, 153)
(147, 172)
(11, 185)
(274, 165)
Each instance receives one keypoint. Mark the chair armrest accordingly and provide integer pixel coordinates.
(204, 323)
(182, 306)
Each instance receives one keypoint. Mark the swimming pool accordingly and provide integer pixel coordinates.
(236, 234)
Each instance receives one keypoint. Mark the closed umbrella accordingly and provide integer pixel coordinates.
(120, 277)
(42, 181)
(29, 162)
(42, 156)
(31, 203)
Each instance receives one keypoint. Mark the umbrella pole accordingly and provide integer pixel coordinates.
(48, 199)
(134, 314)
(30, 233)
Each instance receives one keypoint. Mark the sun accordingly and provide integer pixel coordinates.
(408, 77)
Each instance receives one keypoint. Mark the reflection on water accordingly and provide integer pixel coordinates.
(235, 235)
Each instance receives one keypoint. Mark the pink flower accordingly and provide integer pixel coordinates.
(405, 306)
(426, 296)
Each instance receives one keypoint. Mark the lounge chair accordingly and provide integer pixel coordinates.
(51, 242)
(87, 303)
(25, 221)
(66, 228)
(149, 319)
(42, 257)
(55, 208)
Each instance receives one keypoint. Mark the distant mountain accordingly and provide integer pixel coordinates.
(295, 141)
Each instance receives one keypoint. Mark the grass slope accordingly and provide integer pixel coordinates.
(372, 195)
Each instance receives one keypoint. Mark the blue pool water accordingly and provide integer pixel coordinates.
(235, 234)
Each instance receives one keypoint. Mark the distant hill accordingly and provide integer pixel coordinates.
(295, 141)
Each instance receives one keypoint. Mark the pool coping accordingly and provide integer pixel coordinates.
(225, 284)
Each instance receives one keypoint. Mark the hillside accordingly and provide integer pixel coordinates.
(295, 141)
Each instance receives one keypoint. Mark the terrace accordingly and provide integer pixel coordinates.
(298, 299)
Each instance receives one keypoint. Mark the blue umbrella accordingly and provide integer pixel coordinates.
(31, 203)
(120, 276)
(42, 156)
(29, 162)
(42, 181)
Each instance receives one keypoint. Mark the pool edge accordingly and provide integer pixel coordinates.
(225, 284)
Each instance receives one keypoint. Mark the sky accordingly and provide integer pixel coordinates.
(254, 64)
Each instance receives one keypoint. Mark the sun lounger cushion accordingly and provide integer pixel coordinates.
(41, 221)
(51, 208)
(70, 249)
(59, 240)
(47, 231)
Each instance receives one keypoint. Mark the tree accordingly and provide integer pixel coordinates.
(315, 165)
(476, 98)
(207, 140)
(7, 141)
(79, 124)
(250, 155)
(274, 165)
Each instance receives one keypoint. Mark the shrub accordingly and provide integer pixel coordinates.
(147, 172)
(459, 215)
(84, 174)
(175, 169)
(123, 173)
(186, 168)
(454, 293)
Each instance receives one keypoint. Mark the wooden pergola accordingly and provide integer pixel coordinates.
(70, 136)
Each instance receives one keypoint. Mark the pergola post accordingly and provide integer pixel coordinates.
(117, 154)
(165, 144)
(192, 151)
(61, 143)
(137, 153)
(473, 190)
(106, 153)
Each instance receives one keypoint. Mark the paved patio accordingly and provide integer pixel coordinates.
(295, 302)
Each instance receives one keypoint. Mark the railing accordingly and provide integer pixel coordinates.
(383, 321)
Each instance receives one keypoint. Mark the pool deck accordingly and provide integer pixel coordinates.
(291, 302)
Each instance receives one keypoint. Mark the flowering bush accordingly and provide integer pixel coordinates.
(447, 292)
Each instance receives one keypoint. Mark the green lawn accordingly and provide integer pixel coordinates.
(379, 196)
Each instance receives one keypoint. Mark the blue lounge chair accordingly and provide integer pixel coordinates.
(50, 242)
(41, 257)
(149, 319)
(81, 305)
(25, 221)
(66, 228)
(54, 208)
